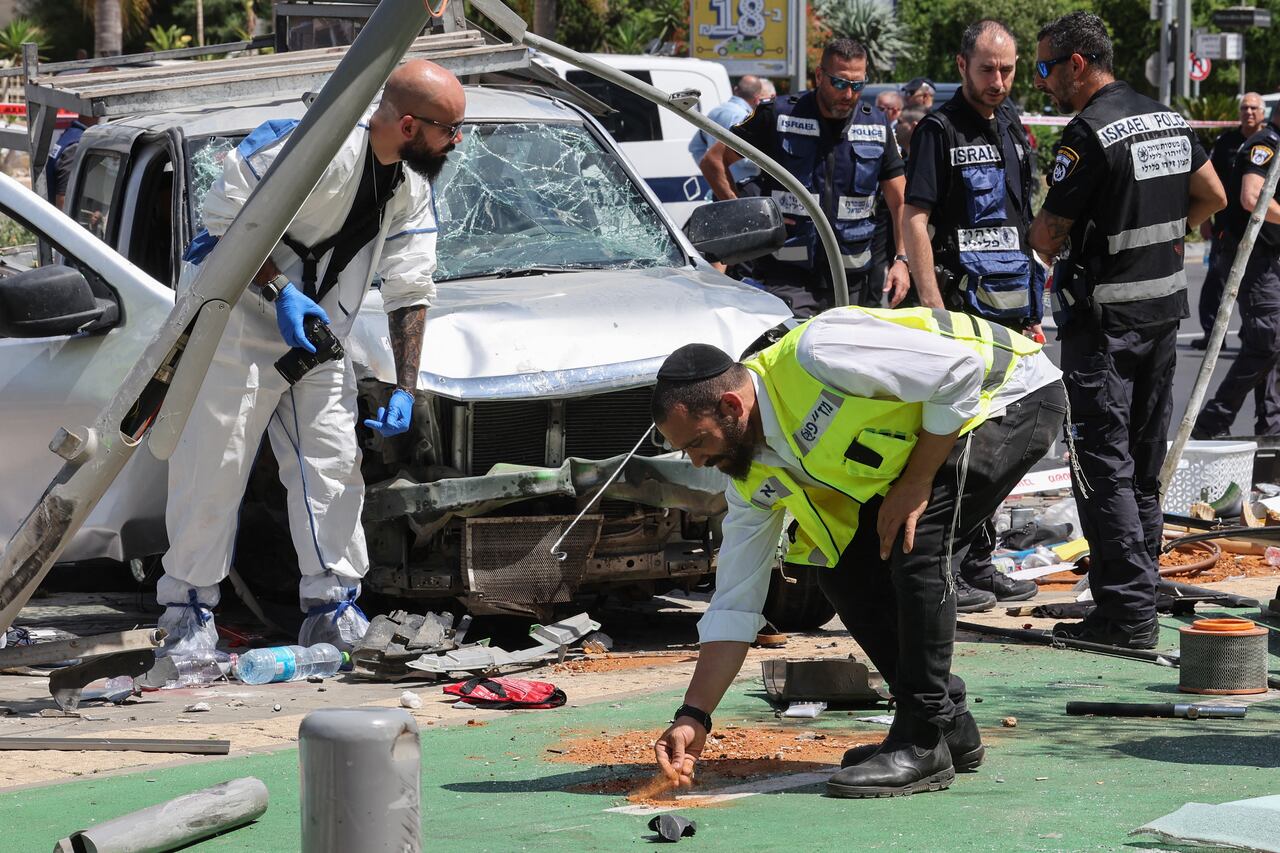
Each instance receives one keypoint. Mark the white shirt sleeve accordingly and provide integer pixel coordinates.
(864, 356)
(743, 570)
(409, 253)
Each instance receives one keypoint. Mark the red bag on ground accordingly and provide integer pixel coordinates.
(507, 693)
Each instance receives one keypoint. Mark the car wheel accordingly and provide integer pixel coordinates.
(798, 606)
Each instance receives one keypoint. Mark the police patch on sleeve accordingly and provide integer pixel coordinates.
(1064, 164)
(1260, 154)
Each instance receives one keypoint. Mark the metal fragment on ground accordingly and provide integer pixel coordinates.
(175, 824)
(1242, 824)
(553, 641)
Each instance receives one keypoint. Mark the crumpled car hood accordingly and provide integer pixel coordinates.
(565, 334)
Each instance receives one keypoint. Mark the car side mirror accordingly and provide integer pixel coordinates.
(730, 232)
(51, 301)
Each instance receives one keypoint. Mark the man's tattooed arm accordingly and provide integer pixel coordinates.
(1049, 233)
(405, 326)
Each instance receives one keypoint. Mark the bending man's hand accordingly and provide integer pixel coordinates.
(292, 308)
(679, 749)
(394, 417)
(902, 508)
(897, 283)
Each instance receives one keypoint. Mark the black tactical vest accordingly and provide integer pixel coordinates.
(1125, 259)
(980, 232)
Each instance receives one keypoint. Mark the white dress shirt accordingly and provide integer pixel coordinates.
(862, 356)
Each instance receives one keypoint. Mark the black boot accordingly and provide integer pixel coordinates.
(963, 739)
(970, 600)
(1095, 628)
(901, 766)
(1005, 588)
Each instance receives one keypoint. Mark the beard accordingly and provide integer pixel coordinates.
(423, 160)
(740, 450)
(981, 95)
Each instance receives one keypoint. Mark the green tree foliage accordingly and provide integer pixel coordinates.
(18, 32)
(171, 37)
(935, 27)
(224, 20)
(871, 23)
(69, 28)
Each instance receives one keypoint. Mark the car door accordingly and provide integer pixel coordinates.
(65, 379)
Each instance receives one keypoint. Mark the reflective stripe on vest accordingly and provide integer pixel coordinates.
(856, 447)
(1147, 235)
(1129, 291)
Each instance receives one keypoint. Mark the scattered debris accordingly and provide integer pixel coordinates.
(196, 708)
(409, 699)
(842, 680)
(597, 643)
(177, 823)
(1155, 709)
(395, 639)
(878, 719)
(672, 827)
(73, 744)
(618, 663)
(275, 707)
(805, 710)
(1009, 722)
(478, 723)
(66, 684)
(553, 641)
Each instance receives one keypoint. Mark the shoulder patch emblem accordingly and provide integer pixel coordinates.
(1260, 154)
(1064, 163)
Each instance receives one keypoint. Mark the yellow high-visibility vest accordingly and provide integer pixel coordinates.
(856, 447)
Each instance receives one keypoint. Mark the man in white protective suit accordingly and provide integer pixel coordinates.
(371, 212)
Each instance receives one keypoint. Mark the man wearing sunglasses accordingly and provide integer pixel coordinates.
(969, 180)
(1129, 179)
(367, 215)
(844, 152)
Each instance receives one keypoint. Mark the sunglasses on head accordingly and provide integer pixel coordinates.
(840, 83)
(1045, 66)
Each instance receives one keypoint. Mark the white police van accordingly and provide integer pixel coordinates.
(655, 140)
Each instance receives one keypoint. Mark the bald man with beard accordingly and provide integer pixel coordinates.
(371, 212)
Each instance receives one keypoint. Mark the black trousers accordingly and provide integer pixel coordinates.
(1214, 279)
(809, 299)
(1254, 369)
(899, 610)
(1121, 390)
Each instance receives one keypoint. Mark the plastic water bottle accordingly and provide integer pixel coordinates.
(1042, 556)
(288, 663)
(199, 668)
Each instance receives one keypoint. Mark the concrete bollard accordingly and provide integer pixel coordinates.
(360, 771)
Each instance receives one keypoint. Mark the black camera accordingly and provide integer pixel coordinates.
(296, 363)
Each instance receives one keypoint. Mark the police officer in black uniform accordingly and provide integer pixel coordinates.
(1223, 157)
(969, 177)
(844, 152)
(1129, 178)
(1254, 367)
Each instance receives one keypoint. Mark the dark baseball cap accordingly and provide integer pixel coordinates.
(917, 83)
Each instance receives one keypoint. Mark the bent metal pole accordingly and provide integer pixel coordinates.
(96, 454)
(1219, 332)
(515, 27)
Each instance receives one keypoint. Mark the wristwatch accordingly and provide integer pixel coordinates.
(698, 715)
(902, 258)
(271, 289)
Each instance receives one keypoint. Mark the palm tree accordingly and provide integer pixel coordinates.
(111, 19)
(874, 24)
(15, 34)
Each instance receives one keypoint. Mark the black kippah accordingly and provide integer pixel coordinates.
(693, 362)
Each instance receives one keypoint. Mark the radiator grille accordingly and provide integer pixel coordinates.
(509, 560)
(514, 432)
(608, 424)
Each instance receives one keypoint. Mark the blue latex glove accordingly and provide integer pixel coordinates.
(292, 307)
(393, 418)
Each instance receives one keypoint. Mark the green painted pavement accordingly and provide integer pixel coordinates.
(1052, 783)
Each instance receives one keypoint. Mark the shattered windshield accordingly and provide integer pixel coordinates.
(516, 196)
(205, 156)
